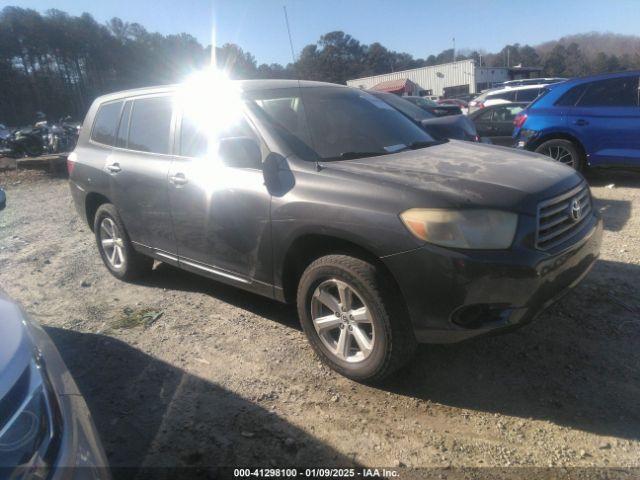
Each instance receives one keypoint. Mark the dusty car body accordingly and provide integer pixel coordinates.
(329, 198)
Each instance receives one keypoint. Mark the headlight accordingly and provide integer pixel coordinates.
(28, 424)
(473, 229)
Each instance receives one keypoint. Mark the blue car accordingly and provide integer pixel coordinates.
(590, 121)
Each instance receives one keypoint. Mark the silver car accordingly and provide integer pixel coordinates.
(46, 430)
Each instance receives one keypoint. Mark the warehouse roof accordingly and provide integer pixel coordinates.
(393, 85)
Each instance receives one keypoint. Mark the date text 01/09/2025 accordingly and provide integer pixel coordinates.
(315, 473)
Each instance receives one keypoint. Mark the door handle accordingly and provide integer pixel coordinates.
(114, 167)
(581, 122)
(178, 179)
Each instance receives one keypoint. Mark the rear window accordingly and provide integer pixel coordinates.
(527, 95)
(150, 125)
(613, 92)
(570, 97)
(106, 123)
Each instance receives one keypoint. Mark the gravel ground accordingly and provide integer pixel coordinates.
(179, 370)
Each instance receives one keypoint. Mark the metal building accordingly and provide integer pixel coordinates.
(449, 79)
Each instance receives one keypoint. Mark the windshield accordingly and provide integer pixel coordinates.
(330, 123)
(409, 109)
(422, 102)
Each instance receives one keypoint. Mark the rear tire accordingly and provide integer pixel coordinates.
(563, 151)
(115, 247)
(372, 318)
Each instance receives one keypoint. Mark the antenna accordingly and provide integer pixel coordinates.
(293, 60)
(286, 20)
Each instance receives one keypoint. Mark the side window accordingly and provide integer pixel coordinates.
(194, 142)
(570, 97)
(527, 95)
(511, 96)
(123, 129)
(506, 113)
(150, 125)
(485, 116)
(106, 122)
(614, 92)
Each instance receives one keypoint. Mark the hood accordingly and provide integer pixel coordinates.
(16, 347)
(463, 173)
(456, 127)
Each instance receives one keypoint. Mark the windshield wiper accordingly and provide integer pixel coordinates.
(422, 144)
(353, 155)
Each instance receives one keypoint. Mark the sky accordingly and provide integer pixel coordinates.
(418, 27)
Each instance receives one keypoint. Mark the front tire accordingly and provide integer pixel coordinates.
(563, 151)
(354, 319)
(115, 248)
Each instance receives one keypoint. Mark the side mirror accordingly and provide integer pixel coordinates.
(278, 178)
(240, 152)
(3, 199)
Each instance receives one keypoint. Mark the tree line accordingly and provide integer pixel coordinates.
(57, 63)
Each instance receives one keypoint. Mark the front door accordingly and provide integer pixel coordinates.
(502, 123)
(220, 213)
(483, 124)
(138, 167)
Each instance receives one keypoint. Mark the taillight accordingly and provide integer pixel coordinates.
(71, 162)
(519, 120)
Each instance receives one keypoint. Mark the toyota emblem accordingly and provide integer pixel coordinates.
(576, 210)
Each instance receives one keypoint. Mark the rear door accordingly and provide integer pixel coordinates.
(139, 165)
(606, 119)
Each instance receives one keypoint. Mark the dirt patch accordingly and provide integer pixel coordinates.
(225, 377)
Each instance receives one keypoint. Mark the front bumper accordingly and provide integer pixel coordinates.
(452, 295)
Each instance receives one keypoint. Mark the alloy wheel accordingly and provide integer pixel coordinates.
(342, 320)
(112, 244)
(560, 154)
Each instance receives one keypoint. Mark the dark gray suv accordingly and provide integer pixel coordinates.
(325, 196)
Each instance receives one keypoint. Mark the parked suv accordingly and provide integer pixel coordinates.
(327, 197)
(591, 121)
(503, 95)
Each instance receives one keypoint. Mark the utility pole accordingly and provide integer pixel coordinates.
(454, 49)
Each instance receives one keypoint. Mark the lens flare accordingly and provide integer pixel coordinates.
(211, 102)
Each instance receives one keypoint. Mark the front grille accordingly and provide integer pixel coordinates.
(563, 217)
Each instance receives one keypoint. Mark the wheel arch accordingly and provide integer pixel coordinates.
(560, 136)
(92, 202)
(309, 247)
